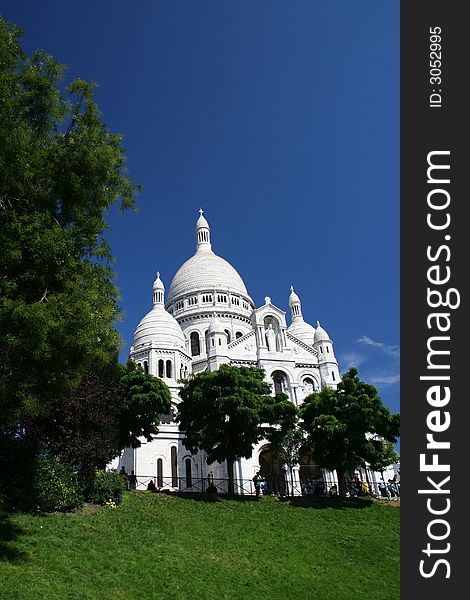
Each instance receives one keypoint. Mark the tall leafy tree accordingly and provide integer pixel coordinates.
(383, 456)
(341, 425)
(110, 409)
(142, 399)
(84, 428)
(226, 412)
(60, 171)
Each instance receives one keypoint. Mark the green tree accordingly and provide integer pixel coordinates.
(226, 412)
(61, 169)
(341, 425)
(383, 455)
(83, 430)
(142, 399)
(109, 410)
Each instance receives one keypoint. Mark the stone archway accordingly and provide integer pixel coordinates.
(272, 472)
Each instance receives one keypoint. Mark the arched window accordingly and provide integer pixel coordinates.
(238, 335)
(168, 368)
(333, 375)
(189, 476)
(146, 366)
(227, 333)
(174, 467)
(161, 368)
(279, 381)
(159, 473)
(327, 349)
(195, 344)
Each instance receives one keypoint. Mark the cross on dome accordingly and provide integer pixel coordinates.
(201, 212)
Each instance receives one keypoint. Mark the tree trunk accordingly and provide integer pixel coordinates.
(342, 487)
(231, 487)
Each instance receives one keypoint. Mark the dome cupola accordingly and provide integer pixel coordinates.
(158, 329)
(158, 291)
(203, 233)
(294, 300)
(320, 334)
(299, 328)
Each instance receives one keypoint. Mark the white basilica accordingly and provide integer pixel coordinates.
(208, 319)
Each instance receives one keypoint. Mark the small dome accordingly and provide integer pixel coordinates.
(158, 283)
(293, 297)
(320, 334)
(202, 221)
(302, 331)
(158, 329)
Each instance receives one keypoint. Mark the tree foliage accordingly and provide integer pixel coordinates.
(342, 424)
(227, 411)
(384, 455)
(109, 410)
(142, 399)
(61, 169)
(83, 429)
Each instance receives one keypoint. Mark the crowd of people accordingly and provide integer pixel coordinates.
(315, 486)
(391, 489)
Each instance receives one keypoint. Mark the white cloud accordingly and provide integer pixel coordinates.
(383, 380)
(386, 348)
(351, 359)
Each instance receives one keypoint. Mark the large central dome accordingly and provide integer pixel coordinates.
(205, 271)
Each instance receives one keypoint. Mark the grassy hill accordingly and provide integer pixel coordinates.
(162, 546)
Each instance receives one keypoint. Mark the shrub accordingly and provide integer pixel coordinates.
(106, 486)
(57, 485)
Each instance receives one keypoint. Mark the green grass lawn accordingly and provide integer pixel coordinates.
(162, 546)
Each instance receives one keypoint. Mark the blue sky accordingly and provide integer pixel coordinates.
(280, 119)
